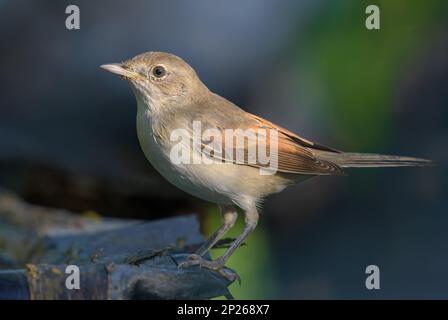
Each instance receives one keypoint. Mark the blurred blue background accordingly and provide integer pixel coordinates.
(309, 66)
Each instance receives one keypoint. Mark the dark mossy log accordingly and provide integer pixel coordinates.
(37, 245)
(155, 278)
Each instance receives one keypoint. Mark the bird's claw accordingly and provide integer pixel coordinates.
(214, 265)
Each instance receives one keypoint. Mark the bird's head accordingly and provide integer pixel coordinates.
(160, 79)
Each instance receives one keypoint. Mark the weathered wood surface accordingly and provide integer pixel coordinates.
(36, 245)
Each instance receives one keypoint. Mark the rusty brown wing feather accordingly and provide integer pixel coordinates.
(295, 154)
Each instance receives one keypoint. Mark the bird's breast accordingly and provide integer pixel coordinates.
(153, 146)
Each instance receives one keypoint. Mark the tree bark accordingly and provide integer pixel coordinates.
(37, 244)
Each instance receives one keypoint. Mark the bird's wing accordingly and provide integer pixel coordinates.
(301, 141)
(294, 154)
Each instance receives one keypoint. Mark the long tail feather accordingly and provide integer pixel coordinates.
(366, 160)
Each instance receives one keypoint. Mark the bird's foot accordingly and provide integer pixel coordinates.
(215, 265)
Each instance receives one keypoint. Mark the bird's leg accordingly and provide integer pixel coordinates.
(251, 220)
(229, 216)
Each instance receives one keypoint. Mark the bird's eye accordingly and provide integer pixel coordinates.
(158, 71)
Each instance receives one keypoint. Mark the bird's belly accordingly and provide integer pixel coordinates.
(191, 178)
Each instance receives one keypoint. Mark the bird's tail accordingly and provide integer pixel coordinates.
(366, 160)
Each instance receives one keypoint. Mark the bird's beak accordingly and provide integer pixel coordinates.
(119, 69)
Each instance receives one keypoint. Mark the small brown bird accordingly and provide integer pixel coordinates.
(171, 99)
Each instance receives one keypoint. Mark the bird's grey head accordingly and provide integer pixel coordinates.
(160, 79)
